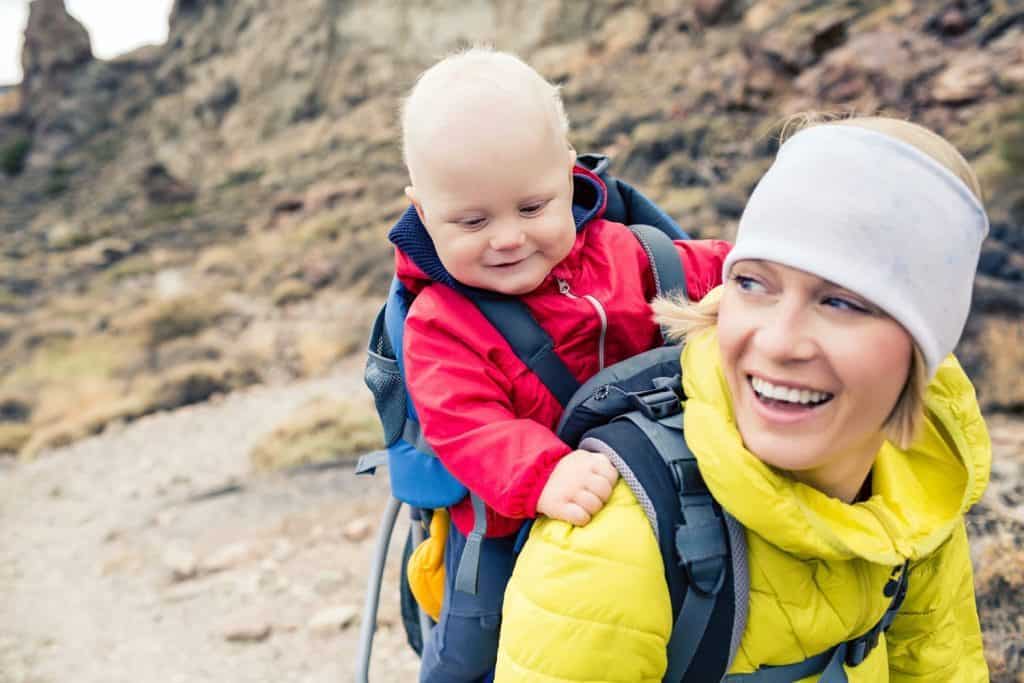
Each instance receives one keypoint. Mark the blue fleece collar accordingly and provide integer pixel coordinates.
(409, 234)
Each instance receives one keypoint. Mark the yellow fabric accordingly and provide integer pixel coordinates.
(426, 567)
(594, 576)
(817, 566)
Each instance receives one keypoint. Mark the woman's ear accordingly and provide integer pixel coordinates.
(410, 192)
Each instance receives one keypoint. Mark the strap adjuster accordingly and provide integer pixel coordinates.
(657, 404)
(702, 554)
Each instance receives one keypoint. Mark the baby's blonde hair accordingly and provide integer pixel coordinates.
(488, 68)
(682, 318)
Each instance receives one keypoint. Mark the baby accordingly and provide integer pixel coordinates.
(499, 205)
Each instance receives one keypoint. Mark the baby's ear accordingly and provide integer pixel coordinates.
(410, 192)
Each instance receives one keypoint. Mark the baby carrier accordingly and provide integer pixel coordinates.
(631, 412)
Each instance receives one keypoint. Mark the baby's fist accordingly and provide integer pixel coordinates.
(578, 487)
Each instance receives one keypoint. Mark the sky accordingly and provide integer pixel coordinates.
(115, 27)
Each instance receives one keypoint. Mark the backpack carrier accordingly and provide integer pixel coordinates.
(630, 411)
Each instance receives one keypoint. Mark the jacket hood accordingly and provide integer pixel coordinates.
(918, 494)
(416, 260)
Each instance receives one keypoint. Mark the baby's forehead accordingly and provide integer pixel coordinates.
(474, 90)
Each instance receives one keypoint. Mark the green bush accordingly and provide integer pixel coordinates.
(13, 155)
(58, 181)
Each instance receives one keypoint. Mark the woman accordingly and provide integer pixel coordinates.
(827, 415)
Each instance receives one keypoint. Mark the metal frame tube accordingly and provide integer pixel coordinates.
(380, 555)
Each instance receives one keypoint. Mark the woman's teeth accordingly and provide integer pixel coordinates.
(766, 389)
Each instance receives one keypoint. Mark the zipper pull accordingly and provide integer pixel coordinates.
(563, 287)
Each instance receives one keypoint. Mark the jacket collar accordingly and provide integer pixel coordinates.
(421, 261)
(918, 494)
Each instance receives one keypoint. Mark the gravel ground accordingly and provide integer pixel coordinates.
(93, 534)
(153, 553)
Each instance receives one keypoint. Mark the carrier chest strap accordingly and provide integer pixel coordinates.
(851, 652)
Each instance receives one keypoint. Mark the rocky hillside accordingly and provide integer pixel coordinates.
(191, 218)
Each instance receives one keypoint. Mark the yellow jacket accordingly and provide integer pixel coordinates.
(591, 603)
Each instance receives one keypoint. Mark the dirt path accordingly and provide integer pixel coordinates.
(91, 537)
(152, 553)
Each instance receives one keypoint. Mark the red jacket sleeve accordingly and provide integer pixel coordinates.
(702, 261)
(463, 400)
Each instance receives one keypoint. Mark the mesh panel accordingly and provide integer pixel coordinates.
(385, 383)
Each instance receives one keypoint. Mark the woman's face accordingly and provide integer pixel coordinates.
(814, 369)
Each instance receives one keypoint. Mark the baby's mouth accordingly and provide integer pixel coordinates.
(782, 396)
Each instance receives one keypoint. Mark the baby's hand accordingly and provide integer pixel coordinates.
(578, 487)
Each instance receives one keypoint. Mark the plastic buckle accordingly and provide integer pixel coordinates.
(706, 574)
(657, 404)
(861, 647)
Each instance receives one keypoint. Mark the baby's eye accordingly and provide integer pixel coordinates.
(472, 223)
(844, 304)
(747, 284)
(532, 209)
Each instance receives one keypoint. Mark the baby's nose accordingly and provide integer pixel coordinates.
(507, 237)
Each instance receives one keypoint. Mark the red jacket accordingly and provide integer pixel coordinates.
(487, 416)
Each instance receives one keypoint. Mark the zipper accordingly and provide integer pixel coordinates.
(563, 288)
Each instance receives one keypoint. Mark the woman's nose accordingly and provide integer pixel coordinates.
(785, 335)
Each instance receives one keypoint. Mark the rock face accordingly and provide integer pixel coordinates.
(56, 47)
(254, 157)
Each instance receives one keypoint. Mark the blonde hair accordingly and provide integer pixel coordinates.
(682, 318)
(485, 67)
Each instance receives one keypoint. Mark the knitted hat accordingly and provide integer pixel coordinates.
(874, 215)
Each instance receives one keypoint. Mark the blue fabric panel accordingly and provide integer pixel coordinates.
(421, 480)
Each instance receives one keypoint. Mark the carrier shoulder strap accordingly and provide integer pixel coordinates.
(669, 276)
(534, 347)
(702, 551)
(529, 341)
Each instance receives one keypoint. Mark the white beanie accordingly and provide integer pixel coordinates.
(877, 216)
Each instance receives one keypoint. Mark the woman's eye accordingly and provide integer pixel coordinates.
(747, 284)
(840, 303)
(533, 209)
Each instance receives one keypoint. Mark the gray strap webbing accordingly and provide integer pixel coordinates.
(368, 464)
(788, 673)
(664, 438)
(707, 540)
(467, 576)
(692, 622)
(412, 434)
(669, 275)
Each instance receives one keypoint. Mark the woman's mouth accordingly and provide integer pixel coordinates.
(785, 397)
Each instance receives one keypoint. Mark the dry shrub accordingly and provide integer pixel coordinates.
(290, 291)
(16, 406)
(182, 316)
(66, 361)
(13, 437)
(1003, 381)
(322, 429)
(320, 346)
(196, 382)
(77, 426)
(220, 260)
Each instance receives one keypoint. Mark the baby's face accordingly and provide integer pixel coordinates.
(498, 207)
